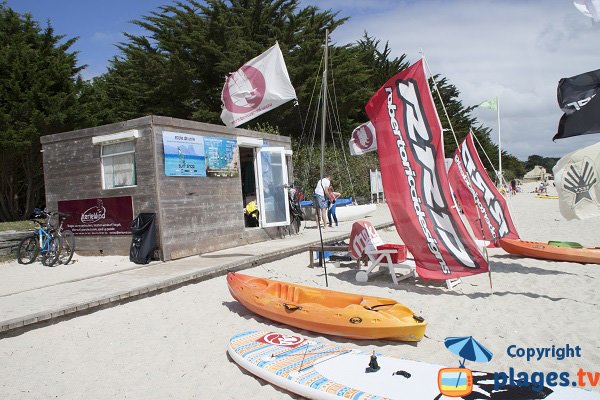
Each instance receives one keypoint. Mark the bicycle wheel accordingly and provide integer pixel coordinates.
(28, 250)
(50, 257)
(67, 247)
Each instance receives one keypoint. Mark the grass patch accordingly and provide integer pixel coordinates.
(17, 226)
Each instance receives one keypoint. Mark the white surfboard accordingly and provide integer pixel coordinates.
(350, 212)
(318, 370)
(354, 211)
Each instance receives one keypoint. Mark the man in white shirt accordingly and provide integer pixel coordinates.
(321, 195)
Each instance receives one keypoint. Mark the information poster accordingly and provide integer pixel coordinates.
(99, 216)
(222, 156)
(184, 154)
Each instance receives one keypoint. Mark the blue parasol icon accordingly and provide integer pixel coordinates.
(468, 348)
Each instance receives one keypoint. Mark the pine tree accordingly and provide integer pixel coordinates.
(39, 89)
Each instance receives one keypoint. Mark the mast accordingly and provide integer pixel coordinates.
(323, 123)
(324, 106)
(499, 144)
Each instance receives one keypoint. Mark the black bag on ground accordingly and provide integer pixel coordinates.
(143, 232)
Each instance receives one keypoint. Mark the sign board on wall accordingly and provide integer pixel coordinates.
(184, 154)
(99, 216)
(222, 156)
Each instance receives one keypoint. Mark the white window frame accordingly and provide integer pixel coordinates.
(103, 157)
(260, 187)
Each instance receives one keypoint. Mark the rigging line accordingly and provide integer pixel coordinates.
(324, 359)
(345, 160)
(312, 95)
(310, 149)
(306, 177)
(314, 351)
(484, 152)
(508, 203)
(303, 357)
(332, 121)
(335, 153)
(339, 130)
(441, 102)
(284, 352)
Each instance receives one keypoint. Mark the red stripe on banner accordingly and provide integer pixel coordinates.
(411, 155)
(467, 199)
(493, 217)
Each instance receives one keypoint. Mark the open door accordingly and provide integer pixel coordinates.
(272, 187)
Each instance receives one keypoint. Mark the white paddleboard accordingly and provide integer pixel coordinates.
(354, 212)
(346, 213)
(317, 370)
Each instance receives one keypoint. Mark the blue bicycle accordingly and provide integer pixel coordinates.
(42, 243)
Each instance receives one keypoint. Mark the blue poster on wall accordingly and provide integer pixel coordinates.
(221, 156)
(184, 154)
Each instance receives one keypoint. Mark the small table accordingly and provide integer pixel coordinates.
(312, 249)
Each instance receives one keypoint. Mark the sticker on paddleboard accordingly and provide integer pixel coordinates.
(279, 339)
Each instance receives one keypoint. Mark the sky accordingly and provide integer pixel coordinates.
(516, 50)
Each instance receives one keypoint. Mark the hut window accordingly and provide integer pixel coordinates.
(118, 165)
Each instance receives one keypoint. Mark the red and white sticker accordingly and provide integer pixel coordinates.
(278, 339)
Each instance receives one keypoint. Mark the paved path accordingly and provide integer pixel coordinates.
(33, 294)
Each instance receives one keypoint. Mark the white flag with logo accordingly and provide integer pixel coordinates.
(260, 85)
(363, 139)
(577, 179)
(589, 8)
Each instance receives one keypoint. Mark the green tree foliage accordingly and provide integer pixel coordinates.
(364, 69)
(179, 67)
(546, 162)
(39, 89)
(462, 121)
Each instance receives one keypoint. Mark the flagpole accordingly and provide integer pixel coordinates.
(323, 123)
(324, 105)
(499, 143)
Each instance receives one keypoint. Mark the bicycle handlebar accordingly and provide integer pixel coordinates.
(47, 215)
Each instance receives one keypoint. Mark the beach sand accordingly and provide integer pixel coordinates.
(173, 345)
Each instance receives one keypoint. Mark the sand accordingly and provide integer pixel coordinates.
(173, 345)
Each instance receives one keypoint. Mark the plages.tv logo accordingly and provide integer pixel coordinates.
(458, 382)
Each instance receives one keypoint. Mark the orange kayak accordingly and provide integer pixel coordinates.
(549, 252)
(326, 311)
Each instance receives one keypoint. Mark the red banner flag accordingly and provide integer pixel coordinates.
(409, 144)
(474, 190)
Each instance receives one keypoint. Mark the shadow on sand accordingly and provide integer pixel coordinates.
(243, 312)
(436, 288)
(502, 267)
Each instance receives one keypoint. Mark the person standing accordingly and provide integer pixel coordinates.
(333, 195)
(321, 195)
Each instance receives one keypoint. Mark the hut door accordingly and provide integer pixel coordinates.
(272, 187)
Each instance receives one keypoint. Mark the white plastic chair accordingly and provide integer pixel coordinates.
(392, 257)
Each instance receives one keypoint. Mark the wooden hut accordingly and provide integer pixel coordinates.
(196, 178)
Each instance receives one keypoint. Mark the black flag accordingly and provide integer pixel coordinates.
(578, 98)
